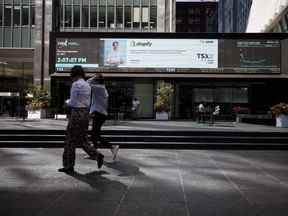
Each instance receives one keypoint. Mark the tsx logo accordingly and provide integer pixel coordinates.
(204, 56)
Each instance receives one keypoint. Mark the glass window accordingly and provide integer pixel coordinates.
(68, 2)
(103, 2)
(93, 16)
(119, 17)
(136, 14)
(223, 95)
(7, 15)
(145, 14)
(136, 3)
(76, 2)
(16, 16)
(93, 2)
(203, 95)
(119, 2)
(128, 2)
(128, 16)
(136, 17)
(240, 95)
(25, 15)
(145, 2)
(32, 38)
(7, 37)
(32, 15)
(85, 16)
(154, 2)
(1, 37)
(153, 17)
(17, 37)
(111, 17)
(110, 2)
(68, 16)
(76, 16)
(25, 37)
(86, 2)
(102, 16)
(145, 18)
(1, 14)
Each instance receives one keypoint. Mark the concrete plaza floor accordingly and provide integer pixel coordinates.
(145, 182)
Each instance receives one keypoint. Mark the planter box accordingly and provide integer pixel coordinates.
(162, 116)
(36, 114)
(282, 121)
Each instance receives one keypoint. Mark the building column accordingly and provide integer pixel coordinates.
(43, 26)
(166, 15)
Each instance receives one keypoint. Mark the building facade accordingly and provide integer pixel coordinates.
(234, 15)
(17, 32)
(279, 23)
(241, 78)
(196, 16)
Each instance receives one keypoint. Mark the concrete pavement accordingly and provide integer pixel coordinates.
(145, 182)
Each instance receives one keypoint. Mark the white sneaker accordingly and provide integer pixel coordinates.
(114, 150)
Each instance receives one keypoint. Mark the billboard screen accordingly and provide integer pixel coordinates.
(137, 53)
(169, 55)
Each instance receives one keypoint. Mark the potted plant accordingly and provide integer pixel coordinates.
(281, 113)
(163, 100)
(37, 101)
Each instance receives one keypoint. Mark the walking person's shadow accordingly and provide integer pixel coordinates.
(124, 168)
(97, 181)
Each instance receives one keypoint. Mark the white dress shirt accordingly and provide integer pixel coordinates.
(80, 94)
(99, 98)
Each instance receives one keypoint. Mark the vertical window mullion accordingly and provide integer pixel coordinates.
(98, 11)
(29, 22)
(140, 14)
(132, 13)
(89, 15)
(149, 8)
(106, 14)
(114, 12)
(2, 26)
(123, 14)
(21, 8)
(63, 14)
(72, 14)
(81, 14)
(12, 23)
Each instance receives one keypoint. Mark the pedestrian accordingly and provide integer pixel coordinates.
(201, 113)
(78, 122)
(98, 110)
(135, 107)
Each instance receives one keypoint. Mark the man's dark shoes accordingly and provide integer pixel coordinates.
(66, 170)
(100, 160)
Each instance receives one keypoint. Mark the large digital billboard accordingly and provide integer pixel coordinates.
(149, 55)
(136, 53)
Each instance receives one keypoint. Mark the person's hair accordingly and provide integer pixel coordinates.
(100, 78)
(77, 71)
(115, 42)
